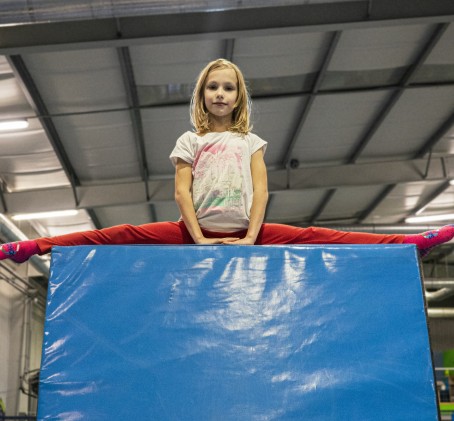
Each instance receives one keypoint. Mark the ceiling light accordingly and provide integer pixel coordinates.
(42, 215)
(13, 125)
(429, 218)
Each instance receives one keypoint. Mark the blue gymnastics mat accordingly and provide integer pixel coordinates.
(236, 333)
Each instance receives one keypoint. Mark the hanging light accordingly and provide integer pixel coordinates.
(429, 218)
(42, 215)
(10, 125)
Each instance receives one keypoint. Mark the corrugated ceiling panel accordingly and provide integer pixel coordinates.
(33, 181)
(293, 206)
(441, 58)
(378, 48)
(173, 63)
(162, 127)
(402, 199)
(444, 203)
(100, 145)
(335, 125)
(281, 55)
(12, 101)
(417, 115)
(27, 159)
(167, 211)
(138, 214)
(446, 143)
(348, 202)
(274, 120)
(132, 214)
(62, 225)
(374, 57)
(78, 81)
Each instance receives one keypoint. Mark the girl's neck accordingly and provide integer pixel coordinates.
(211, 131)
(219, 125)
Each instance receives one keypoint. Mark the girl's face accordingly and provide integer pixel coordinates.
(221, 93)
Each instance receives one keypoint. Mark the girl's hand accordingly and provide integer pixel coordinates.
(208, 241)
(238, 241)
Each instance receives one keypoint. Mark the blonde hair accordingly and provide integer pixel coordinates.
(242, 112)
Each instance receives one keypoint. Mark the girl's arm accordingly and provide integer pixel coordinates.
(259, 201)
(183, 197)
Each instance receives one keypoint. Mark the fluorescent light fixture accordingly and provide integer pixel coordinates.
(430, 218)
(9, 125)
(43, 215)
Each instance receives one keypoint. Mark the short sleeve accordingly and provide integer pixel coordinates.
(256, 143)
(183, 149)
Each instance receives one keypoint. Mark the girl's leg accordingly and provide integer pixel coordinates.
(153, 233)
(286, 234)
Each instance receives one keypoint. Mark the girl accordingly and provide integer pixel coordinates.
(220, 186)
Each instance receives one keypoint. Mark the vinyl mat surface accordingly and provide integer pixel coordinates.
(236, 333)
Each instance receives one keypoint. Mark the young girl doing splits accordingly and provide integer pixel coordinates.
(220, 186)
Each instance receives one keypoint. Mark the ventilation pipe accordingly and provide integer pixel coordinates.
(384, 228)
(441, 313)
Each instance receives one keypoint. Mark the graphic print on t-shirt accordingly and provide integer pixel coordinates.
(218, 168)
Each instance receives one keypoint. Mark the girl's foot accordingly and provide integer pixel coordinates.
(20, 251)
(427, 240)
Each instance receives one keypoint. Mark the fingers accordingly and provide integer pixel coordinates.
(239, 242)
(229, 240)
(225, 240)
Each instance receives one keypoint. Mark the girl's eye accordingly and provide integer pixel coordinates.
(226, 88)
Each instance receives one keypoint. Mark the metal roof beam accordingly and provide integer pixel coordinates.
(302, 118)
(35, 100)
(403, 85)
(374, 204)
(133, 102)
(436, 136)
(254, 97)
(431, 142)
(229, 46)
(322, 205)
(94, 218)
(161, 188)
(314, 91)
(251, 21)
(405, 81)
(136, 118)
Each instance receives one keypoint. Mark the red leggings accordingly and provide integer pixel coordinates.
(176, 233)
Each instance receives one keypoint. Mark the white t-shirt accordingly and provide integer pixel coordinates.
(222, 182)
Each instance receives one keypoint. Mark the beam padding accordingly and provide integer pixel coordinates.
(236, 333)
